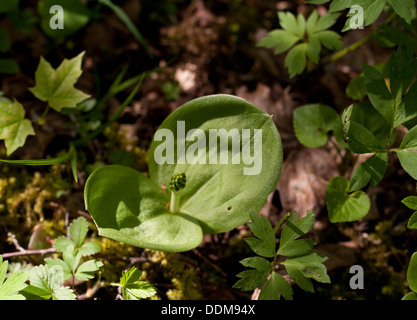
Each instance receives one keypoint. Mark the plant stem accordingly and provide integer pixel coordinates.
(356, 45)
(42, 118)
(174, 205)
(279, 224)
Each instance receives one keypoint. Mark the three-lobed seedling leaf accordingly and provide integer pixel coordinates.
(313, 33)
(73, 249)
(127, 206)
(133, 288)
(302, 263)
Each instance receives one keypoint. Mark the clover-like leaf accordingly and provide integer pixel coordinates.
(56, 86)
(14, 128)
(342, 206)
(223, 185)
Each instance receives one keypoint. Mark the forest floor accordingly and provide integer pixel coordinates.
(202, 48)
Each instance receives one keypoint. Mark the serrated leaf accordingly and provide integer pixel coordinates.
(251, 279)
(57, 262)
(292, 24)
(14, 128)
(56, 86)
(373, 169)
(280, 39)
(15, 282)
(275, 286)
(130, 276)
(264, 244)
(344, 207)
(310, 265)
(132, 288)
(89, 248)
(87, 269)
(296, 59)
(330, 39)
(62, 243)
(293, 229)
(49, 280)
(78, 231)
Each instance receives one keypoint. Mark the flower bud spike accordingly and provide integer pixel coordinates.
(176, 183)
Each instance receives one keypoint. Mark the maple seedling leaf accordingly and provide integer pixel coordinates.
(56, 86)
(14, 128)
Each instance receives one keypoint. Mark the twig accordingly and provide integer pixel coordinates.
(28, 252)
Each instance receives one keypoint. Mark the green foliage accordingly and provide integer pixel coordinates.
(73, 249)
(14, 127)
(367, 127)
(302, 263)
(411, 202)
(56, 86)
(372, 8)
(133, 288)
(314, 123)
(412, 278)
(313, 33)
(76, 16)
(46, 284)
(128, 206)
(343, 206)
(10, 287)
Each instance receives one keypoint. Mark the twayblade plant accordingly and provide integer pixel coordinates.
(150, 212)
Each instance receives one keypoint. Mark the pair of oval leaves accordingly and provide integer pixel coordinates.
(128, 206)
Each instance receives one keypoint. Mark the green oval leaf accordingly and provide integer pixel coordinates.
(129, 207)
(412, 273)
(344, 207)
(220, 191)
(220, 194)
(313, 122)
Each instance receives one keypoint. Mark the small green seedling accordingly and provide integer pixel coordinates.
(73, 250)
(303, 38)
(132, 287)
(206, 146)
(302, 263)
